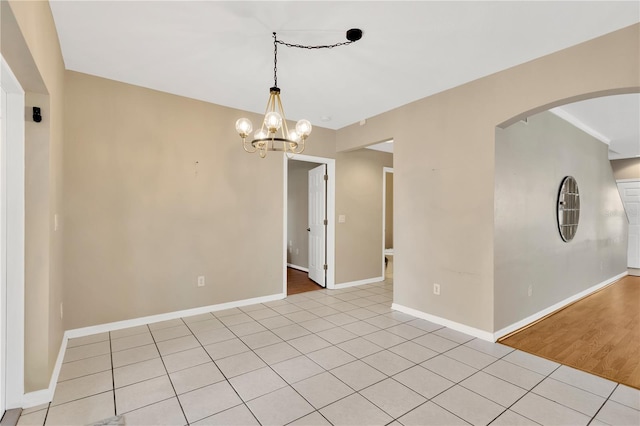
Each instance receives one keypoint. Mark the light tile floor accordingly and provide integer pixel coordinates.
(324, 357)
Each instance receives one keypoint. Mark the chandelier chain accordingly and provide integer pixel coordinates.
(276, 42)
(321, 46)
(275, 61)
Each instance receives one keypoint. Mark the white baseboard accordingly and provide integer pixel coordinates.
(44, 396)
(493, 337)
(471, 331)
(33, 399)
(112, 326)
(532, 318)
(360, 282)
(299, 268)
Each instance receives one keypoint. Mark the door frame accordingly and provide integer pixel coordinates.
(12, 199)
(331, 214)
(318, 272)
(385, 170)
(618, 181)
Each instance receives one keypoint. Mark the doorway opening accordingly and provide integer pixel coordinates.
(630, 194)
(387, 224)
(309, 230)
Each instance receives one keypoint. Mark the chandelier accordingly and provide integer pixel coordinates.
(274, 134)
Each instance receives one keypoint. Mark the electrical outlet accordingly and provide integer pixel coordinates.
(55, 222)
(436, 289)
(201, 281)
(530, 290)
(61, 311)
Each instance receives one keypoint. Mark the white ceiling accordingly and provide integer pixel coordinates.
(615, 120)
(222, 52)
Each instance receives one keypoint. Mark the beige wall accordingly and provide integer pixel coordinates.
(30, 47)
(531, 160)
(628, 168)
(359, 198)
(298, 212)
(143, 220)
(444, 168)
(158, 192)
(37, 153)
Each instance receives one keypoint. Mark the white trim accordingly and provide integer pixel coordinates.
(112, 326)
(285, 214)
(299, 268)
(359, 282)
(532, 318)
(627, 180)
(471, 331)
(3, 261)
(385, 170)
(570, 118)
(44, 396)
(331, 216)
(13, 204)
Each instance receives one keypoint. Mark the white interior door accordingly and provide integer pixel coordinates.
(317, 224)
(630, 194)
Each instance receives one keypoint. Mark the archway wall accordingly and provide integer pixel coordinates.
(534, 269)
(444, 161)
(29, 44)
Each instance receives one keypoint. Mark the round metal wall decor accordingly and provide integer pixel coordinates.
(568, 208)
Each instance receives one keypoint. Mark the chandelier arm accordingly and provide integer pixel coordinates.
(270, 107)
(244, 145)
(290, 155)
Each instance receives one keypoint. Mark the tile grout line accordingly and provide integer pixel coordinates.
(575, 387)
(325, 370)
(221, 372)
(305, 355)
(531, 391)
(386, 376)
(454, 383)
(603, 404)
(113, 379)
(290, 385)
(168, 375)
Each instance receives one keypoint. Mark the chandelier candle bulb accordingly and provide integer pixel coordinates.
(273, 121)
(303, 127)
(244, 127)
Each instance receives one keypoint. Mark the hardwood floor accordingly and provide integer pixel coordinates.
(299, 282)
(599, 334)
